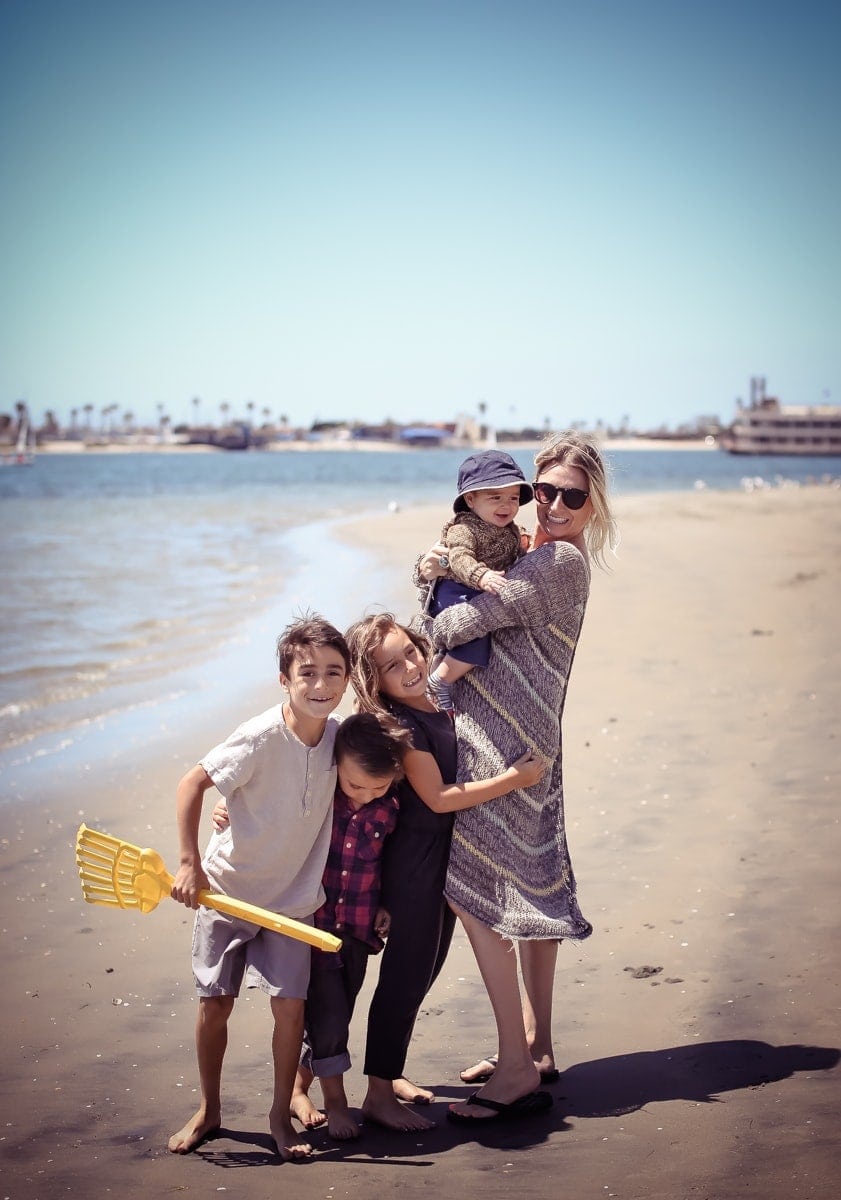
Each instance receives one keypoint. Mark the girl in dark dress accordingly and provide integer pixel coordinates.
(389, 669)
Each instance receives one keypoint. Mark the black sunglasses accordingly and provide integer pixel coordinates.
(547, 493)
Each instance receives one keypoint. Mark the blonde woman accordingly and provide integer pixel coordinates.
(510, 879)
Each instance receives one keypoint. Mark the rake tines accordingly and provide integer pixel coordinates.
(107, 868)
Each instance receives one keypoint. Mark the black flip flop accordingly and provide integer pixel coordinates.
(530, 1105)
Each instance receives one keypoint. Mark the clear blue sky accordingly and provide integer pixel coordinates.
(399, 209)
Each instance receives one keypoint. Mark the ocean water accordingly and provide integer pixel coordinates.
(130, 579)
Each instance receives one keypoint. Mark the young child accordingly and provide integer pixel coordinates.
(482, 543)
(368, 763)
(277, 775)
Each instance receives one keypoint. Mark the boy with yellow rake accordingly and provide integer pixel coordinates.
(278, 777)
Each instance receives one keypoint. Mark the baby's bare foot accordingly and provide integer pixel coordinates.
(201, 1126)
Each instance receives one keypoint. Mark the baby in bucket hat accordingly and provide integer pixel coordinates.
(482, 542)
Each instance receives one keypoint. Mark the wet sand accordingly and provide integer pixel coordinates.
(697, 1029)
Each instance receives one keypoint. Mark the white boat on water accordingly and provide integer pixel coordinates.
(767, 427)
(22, 455)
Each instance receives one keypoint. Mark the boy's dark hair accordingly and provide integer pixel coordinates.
(377, 746)
(310, 630)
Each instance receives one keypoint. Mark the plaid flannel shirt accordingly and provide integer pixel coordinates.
(352, 875)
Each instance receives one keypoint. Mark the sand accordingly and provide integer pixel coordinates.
(697, 1029)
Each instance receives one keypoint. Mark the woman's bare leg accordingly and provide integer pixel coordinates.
(515, 1074)
(537, 966)
(537, 963)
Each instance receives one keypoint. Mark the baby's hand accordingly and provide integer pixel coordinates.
(382, 922)
(219, 816)
(530, 768)
(492, 581)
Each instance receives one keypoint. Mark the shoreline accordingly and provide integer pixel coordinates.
(697, 1027)
(338, 445)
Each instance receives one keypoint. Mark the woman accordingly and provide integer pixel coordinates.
(509, 877)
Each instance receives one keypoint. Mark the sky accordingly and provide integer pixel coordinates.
(563, 212)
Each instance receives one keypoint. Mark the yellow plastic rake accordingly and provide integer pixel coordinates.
(120, 875)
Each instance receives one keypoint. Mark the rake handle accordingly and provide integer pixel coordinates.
(268, 920)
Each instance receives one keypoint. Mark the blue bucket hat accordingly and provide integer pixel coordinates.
(489, 469)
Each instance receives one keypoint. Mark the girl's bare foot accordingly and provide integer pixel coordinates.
(201, 1125)
(303, 1109)
(287, 1141)
(387, 1110)
(480, 1072)
(404, 1089)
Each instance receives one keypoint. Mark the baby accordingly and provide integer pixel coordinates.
(482, 543)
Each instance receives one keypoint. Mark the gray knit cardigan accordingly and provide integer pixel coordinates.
(509, 863)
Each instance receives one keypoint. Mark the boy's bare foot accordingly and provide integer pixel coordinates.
(287, 1142)
(404, 1089)
(388, 1111)
(201, 1126)
(341, 1125)
(303, 1109)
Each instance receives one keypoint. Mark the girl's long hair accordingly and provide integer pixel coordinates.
(365, 637)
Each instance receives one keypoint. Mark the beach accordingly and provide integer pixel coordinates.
(697, 1030)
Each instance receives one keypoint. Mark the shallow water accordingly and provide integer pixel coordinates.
(122, 572)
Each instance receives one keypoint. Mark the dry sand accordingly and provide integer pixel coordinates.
(698, 1028)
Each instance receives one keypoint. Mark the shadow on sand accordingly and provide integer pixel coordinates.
(603, 1087)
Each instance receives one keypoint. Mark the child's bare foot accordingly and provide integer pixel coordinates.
(341, 1125)
(388, 1111)
(303, 1109)
(201, 1125)
(287, 1141)
(404, 1089)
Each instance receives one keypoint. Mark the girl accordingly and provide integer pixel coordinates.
(389, 670)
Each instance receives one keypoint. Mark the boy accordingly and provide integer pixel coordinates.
(369, 761)
(277, 775)
(482, 542)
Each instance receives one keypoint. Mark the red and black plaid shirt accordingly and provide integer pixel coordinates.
(352, 875)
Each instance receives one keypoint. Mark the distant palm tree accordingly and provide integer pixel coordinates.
(224, 408)
(196, 407)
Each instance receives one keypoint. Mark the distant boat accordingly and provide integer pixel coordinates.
(21, 456)
(767, 427)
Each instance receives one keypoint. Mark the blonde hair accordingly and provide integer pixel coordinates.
(363, 638)
(574, 449)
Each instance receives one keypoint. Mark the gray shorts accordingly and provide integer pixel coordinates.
(224, 947)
